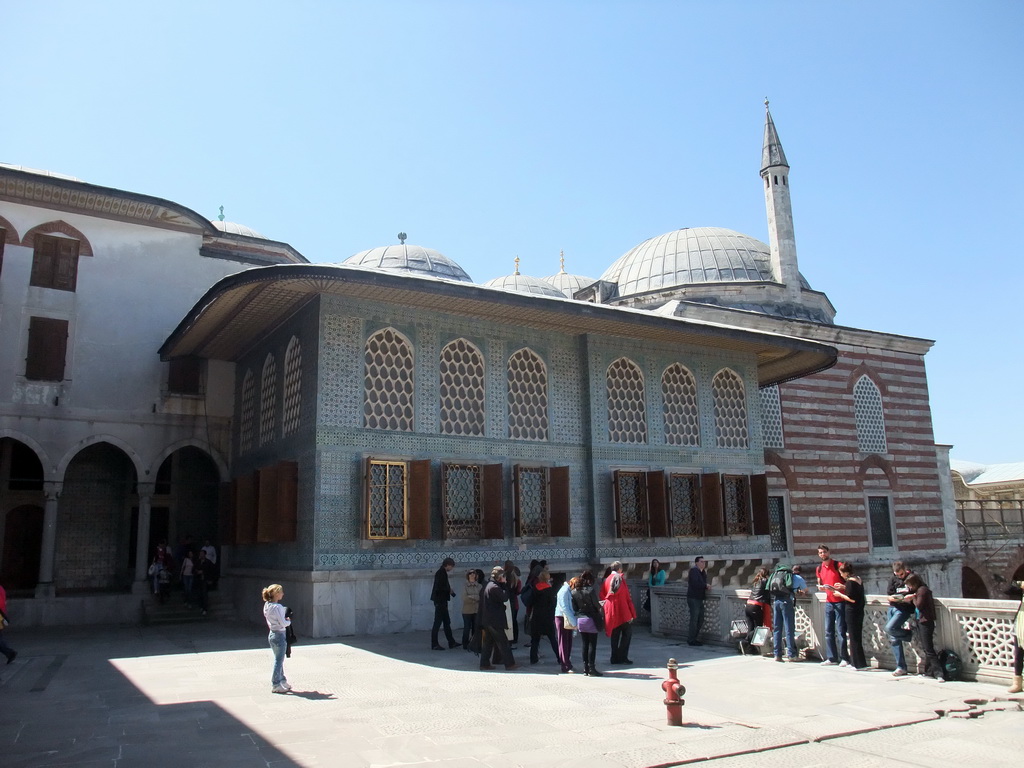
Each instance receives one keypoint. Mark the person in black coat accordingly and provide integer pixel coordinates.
(855, 602)
(542, 617)
(440, 594)
(493, 621)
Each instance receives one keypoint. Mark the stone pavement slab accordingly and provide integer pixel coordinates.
(199, 695)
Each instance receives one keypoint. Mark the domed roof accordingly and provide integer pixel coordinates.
(410, 258)
(566, 283)
(691, 255)
(232, 228)
(524, 284)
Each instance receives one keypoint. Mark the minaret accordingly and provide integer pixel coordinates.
(775, 172)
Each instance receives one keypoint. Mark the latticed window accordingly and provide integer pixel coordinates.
(462, 497)
(684, 504)
(736, 500)
(771, 417)
(462, 389)
(880, 518)
(867, 405)
(387, 491)
(730, 400)
(248, 426)
(777, 523)
(268, 400)
(527, 396)
(679, 394)
(388, 382)
(627, 405)
(532, 501)
(292, 386)
(631, 504)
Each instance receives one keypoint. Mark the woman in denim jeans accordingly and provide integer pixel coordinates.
(277, 622)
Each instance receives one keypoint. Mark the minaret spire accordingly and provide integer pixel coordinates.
(781, 236)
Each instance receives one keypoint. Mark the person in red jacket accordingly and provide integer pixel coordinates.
(5, 649)
(830, 582)
(618, 614)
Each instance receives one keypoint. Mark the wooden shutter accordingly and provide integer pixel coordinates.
(44, 259)
(558, 501)
(517, 527)
(246, 505)
(65, 268)
(266, 516)
(712, 514)
(493, 517)
(418, 504)
(759, 504)
(657, 504)
(287, 521)
(47, 349)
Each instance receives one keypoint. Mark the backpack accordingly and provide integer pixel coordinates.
(780, 582)
(952, 665)
(526, 596)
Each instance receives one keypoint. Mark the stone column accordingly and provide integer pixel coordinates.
(141, 583)
(48, 550)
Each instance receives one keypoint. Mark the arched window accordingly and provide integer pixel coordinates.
(867, 407)
(292, 386)
(268, 400)
(679, 396)
(462, 389)
(729, 396)
(248, 412)
(771, 417)
(388, 382)
(627, 405)
(527, 396)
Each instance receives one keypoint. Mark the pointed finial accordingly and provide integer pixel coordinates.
(766, 102)
(517, 265)
(561, 258)
(402, 237)
(221, 217)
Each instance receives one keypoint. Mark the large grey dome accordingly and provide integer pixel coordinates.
(410, 258)
(688, 256)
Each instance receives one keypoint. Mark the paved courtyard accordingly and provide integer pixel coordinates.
(199, 695)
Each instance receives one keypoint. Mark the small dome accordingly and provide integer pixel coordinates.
(410, 258)
(524, 284)
(688, 256)
(569, 284)
(231, 228)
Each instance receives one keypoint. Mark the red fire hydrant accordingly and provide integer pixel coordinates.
(674, 691)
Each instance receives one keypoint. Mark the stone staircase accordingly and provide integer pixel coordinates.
(174, 611)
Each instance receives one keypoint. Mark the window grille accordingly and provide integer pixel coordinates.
(736, 497)
(532, 501)
(461, 488)
(777, 523)
(462, 389)
(248, 412)
(730, 410)
(268, 400)
(631, 504)
(684, 505)
(867, 405)
(679, 393)
(627, 406)
(881, 522)
(389, 375)
(527, 396)
(771, 417)
(292, 386)
(387, 499)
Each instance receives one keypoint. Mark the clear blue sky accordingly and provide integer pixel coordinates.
(490, 129)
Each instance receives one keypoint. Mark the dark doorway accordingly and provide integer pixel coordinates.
(23, 542)
(972, 584)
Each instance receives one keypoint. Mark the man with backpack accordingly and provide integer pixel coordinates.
(783, 586)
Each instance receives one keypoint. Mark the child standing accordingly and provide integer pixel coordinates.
(470, 606)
